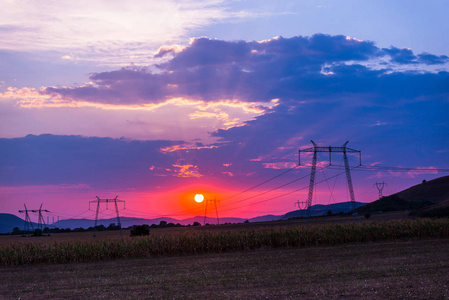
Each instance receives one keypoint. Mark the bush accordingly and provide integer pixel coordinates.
(140, 230)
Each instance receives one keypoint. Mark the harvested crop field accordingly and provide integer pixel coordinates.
(402, 269)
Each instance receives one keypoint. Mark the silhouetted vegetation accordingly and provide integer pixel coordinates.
(220, 241)
(112, 226)
(140, 230)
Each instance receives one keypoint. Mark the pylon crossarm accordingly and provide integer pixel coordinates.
(330, 149)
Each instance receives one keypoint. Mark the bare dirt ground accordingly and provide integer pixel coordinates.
(385, 270)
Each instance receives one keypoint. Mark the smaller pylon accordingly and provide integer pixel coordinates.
(302, 205)
(98, 201)
(380, 186)
(28, 222)
(41, 221)
(216, 210)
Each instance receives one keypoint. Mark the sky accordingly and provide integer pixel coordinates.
(155, 101)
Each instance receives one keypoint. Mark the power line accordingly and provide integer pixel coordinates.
(186, 212)
(262, 183)
(288, 193)
(271, 190)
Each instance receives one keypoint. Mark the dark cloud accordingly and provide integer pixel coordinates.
(430, 59)
(212, 69)
(97, 162)
(401, 56)
(286, 68)
(406, 56)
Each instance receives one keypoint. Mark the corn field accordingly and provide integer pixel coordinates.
(188, 243)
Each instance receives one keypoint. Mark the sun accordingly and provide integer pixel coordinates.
(199, 198)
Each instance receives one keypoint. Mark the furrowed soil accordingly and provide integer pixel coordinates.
(402, 269)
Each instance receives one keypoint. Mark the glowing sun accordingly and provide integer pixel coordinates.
(199, 198)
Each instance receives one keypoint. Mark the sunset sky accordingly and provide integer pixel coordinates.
(155, 101)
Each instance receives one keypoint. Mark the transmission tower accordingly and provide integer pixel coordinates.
(380, 186)
(41, 222)
(28, 222)
(343, 149)
(216, 210)
(301, 204)
(115, 201)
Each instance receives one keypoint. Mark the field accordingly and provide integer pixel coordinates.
(413, 264)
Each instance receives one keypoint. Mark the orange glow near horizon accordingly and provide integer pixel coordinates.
(184, 202)
(180, 203)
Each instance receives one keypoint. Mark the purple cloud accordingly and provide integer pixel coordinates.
(401, 56)
(97, 162)
(284, 68)
(213, 70)
(430, 59)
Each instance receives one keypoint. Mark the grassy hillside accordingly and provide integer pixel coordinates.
(429, 198)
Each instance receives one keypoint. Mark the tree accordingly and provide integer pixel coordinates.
(37, 232)
(16, 230)
(112, 226)
(140, 230)
(196, 224)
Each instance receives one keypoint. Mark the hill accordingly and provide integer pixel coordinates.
(428, 195)
(8, 222)
(319, 210)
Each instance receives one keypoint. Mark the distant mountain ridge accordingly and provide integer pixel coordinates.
(320, 209)
(8, 221)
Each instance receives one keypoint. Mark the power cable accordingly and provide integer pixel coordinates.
(288, 193)
(262, 183)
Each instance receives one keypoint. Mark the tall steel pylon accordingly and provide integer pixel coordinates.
(98, 201)
(343, 149)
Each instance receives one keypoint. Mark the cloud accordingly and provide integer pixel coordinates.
(27, 110)
(275, 88)
(401, 56)
(430, 59)
(77, 161)
(406, 56)
(299, 68)
(109, 31)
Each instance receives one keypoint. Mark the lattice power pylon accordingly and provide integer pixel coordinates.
(343, 149)
(28, 222)
(115, 201)
(216, 210)
(380, 186)
(41, 221)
